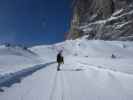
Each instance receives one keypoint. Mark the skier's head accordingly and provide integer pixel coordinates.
(60, 52)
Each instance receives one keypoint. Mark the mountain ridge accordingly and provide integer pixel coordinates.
(116, 17)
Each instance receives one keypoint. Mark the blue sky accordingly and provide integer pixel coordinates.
(33, 22)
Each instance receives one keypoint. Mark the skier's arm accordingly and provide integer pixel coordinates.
(63, 60)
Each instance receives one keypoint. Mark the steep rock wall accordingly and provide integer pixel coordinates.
(102, 19)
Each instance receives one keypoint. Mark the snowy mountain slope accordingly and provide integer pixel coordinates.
(89, 73)
(15, 58)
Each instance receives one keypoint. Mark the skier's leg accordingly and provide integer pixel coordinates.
(58, 67)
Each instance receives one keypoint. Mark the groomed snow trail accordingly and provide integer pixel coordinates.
(89, 73)
(72, 84)
(34, 87)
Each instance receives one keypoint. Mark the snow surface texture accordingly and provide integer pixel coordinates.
(93, 70)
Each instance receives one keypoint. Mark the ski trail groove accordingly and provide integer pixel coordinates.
(66, 87)
(62, 86)
(100, 68)
(53, 86)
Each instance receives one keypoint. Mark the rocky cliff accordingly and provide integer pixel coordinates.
(102, 19)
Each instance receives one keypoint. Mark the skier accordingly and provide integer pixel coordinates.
(60, 60)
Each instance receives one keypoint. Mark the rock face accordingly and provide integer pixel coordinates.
(102, 19)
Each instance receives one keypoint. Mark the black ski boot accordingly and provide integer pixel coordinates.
(58, 69)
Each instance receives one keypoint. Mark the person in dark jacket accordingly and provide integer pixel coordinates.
(60, 60)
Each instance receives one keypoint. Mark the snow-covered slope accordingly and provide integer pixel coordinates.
(15, 58)
(90, 72)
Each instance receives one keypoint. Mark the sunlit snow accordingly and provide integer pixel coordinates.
(90, 72)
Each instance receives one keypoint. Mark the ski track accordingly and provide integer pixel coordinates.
(72, 85)
(79, 79)
(53, 86)
(44, 91)
(100, 68)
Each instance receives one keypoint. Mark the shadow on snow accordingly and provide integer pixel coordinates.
(9, 79)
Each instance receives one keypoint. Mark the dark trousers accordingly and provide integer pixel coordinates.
(58, 67)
